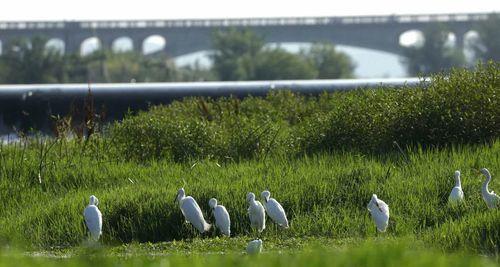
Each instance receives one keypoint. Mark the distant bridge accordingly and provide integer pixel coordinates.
(186, 36)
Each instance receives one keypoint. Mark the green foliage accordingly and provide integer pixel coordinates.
(223, 252)
(478, 234)
(454, 109)
(234, 55)
(241, 55)
(195, 128)
(488, 47)
(330, 63)
(277, 64)
(28, 61)
(325, 196)
(459, 108)
(435, 55)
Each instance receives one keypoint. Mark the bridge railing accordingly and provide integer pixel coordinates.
(23, 25)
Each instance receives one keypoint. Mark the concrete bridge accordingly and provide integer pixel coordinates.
(186, 36)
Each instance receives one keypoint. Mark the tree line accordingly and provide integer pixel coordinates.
(238, 54)
(436, 54)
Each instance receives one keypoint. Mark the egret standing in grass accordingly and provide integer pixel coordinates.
(456, 195)
(256, 213)
(492, 200)
(380, 213)
(93, 218)
(274, 209)
(254, 247)
(221, 215)
(191, 211)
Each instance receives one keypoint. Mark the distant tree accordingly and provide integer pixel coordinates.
(488, 47)
(235, 52)
(95, 62)
(330, 63)
(435, 55)
(107, 66)
(277, 64)
(196, 72)
(159, 69)
(29, 61)
(76, 69)
(241, 55)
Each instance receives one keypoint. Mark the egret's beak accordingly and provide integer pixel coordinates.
(175, 199)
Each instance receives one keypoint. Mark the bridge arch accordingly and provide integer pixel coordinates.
(122, 44)
(470, 38)
(452, 40)
(471, 41)
(153, 44)
(56, 44)
(411, 38)
(90, 45)
(185, 36)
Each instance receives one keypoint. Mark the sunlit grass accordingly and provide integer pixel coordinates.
(370, 253)
(324, 196)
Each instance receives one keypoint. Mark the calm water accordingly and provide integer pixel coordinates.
(369, 63)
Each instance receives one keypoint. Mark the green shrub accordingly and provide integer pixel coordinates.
(462, 107)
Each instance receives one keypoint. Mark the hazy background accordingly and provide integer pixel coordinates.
(369, 63)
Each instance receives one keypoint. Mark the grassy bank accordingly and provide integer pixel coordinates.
(459, 108)
(322, 157)
(370, 253)
(324, 195)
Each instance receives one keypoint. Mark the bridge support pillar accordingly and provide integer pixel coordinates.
(137, 45)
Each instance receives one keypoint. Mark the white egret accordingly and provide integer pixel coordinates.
(254, 247)
(492, 200)
(191, 211)
(274, 209)
(456, 195)
(221, 215)
(93, 218)
(380, 213)
(256, 213)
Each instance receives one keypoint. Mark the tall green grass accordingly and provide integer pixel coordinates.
(324, 195)
(374, 253)
(321, 157)
(462, 107)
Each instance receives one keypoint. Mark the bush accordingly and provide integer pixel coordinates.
(461, 107)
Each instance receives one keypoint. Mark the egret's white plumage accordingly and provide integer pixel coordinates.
(380, 213)
(254, 247)
(93, 218)
(492, 200)
(456, 194)
(221, 215)
(274, 209)
(256, 213)
(192, 212)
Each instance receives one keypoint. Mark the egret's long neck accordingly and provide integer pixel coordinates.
(457, 181)
(180, 198)
(484, 189)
